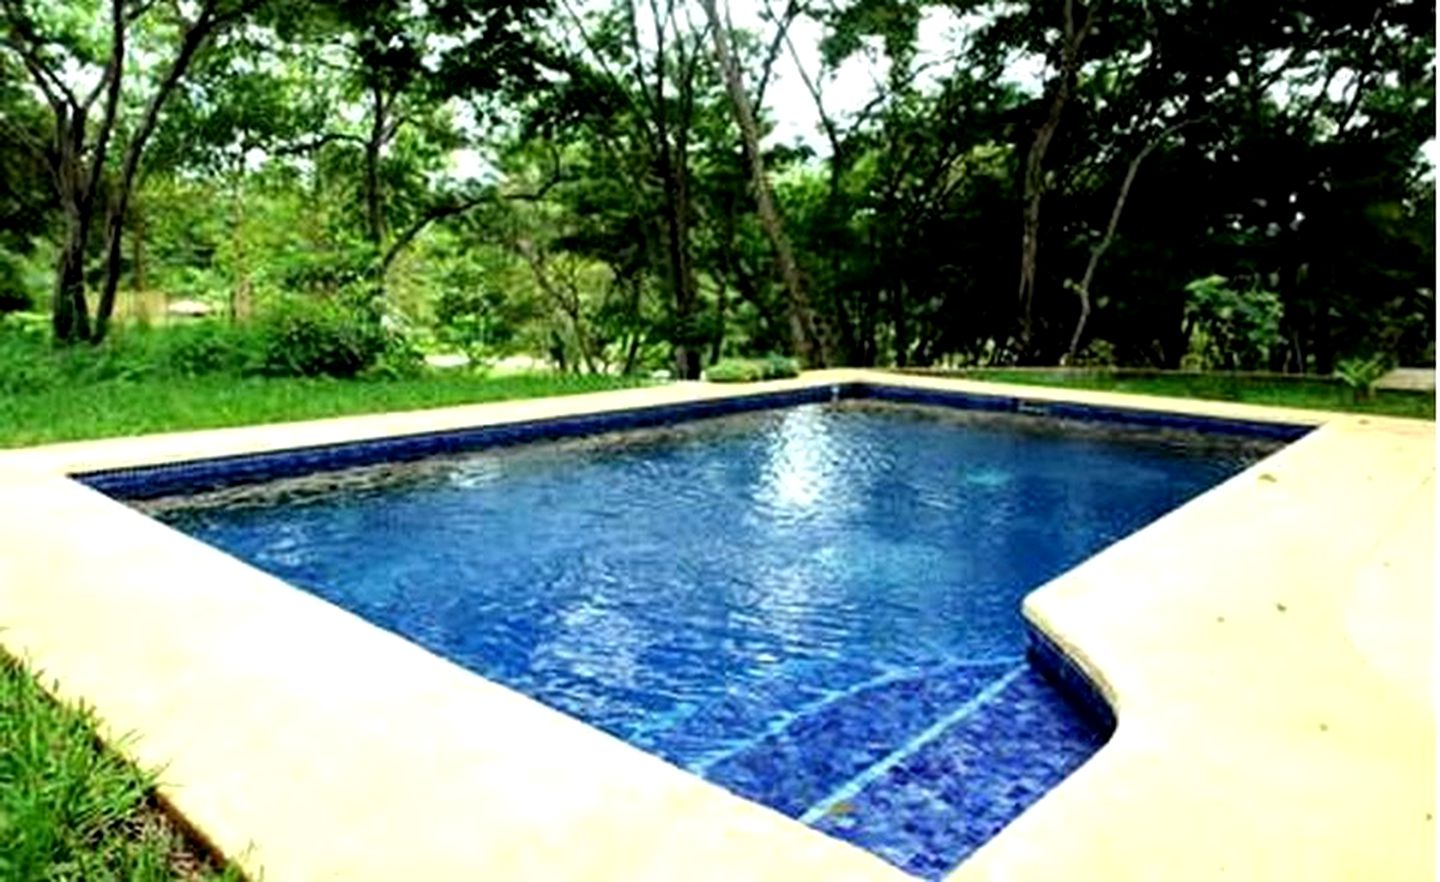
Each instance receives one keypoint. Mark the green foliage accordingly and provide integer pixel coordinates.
(1230, 328)
(302, 337)
(751, 370)
(1097, 353)
(463, 319)
(329, 151)
(295, 337)
(70, 810)
(204, 347)
(1315, 393)
(1361, 373)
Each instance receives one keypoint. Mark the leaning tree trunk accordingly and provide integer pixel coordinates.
(804, 333)
(1035, 171)
(1082, 290)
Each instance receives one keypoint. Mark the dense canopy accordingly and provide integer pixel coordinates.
(615, 186)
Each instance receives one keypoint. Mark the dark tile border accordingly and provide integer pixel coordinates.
(1088, 412)
(148, 482)
(196, 476)
(1055, 666)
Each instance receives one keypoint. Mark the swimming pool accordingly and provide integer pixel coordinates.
(815, 607)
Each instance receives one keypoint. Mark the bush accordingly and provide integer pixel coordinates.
(1230, 328)
(1098, 353)
(26, 364)
(735, 370)
(306, 338)
(204, 347)
(1361, 374)
(750, 370)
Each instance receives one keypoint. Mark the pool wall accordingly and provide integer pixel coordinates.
(146, 482)
(1266, 649)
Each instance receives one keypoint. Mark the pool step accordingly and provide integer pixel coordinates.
(687, 735)
(799, 761)
(929, 808)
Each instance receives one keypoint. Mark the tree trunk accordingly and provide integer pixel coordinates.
(70, 317)
(240, 287)
(1082, 290)
(809, 344)
(75, 187)
(902, 329)
(191, 41)
(374, 144)
(722, 305)
(672, 164)
(1034, 181)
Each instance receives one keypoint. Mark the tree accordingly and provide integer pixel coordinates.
(808, 342)
(52, 48)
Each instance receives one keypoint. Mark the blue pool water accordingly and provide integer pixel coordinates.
(816, 607)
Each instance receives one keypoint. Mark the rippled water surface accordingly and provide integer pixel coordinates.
(816, 607)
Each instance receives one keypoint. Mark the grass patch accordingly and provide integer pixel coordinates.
(107, 408)
(1313, 393)
(72, 810)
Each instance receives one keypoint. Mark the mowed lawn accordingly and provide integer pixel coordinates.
(1312, 393)
(108, 408)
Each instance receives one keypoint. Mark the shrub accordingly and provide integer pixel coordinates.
(735, 370)
(750, 370)
(1098, 353)
(1360, 374)
(26, 364)
(204, 347)
(305, 338)
(778, 367)
(1230, 328)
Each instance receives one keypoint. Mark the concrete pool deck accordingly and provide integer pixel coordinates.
(1267, 647)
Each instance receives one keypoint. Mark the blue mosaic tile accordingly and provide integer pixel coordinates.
(753, 706)
(1065, 676)
(937, 806)
(797, 767)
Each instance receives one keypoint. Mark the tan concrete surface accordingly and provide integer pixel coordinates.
(1268, 648)
(1408, 379)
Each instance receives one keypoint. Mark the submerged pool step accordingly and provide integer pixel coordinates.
(802, 760)
(929, 808)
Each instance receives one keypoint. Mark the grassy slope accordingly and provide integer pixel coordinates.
(1314, 393)
(118, 407)
(70, 809)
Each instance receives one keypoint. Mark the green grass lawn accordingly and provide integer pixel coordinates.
(108, 408)
(72, 811)
(1314, 393)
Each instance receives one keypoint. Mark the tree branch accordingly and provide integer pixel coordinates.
(1082, 290)
(113, 74)
(313, 144)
